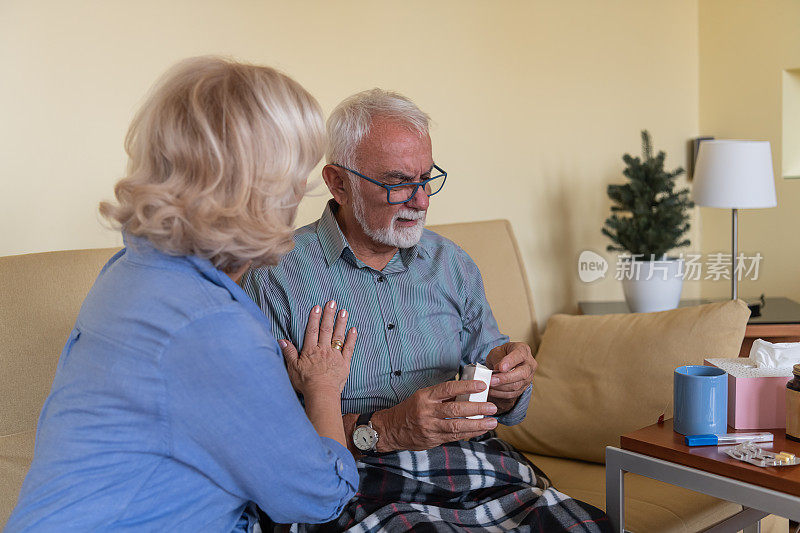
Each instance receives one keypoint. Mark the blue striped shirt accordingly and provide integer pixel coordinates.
(419, 319)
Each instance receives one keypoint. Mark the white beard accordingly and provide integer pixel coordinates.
(391, 236)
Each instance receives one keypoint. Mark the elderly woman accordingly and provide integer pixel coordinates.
(171, 407)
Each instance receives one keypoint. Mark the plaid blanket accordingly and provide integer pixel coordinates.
(479, 485)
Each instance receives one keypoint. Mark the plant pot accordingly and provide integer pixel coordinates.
(653, 285)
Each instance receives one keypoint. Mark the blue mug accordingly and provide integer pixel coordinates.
(701, 400)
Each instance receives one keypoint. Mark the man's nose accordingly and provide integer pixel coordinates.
(419, 201)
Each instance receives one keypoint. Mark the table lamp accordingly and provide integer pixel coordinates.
(734, 175)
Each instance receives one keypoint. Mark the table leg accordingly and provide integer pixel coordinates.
(747, 520)
(615, 490)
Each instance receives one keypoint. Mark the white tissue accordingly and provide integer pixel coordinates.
(775, 355)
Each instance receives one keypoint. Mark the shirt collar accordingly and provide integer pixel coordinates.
(142, 250)
(334, 243)
(330, 235)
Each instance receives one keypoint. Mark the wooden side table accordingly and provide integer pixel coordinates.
(779, 320)
(659, 453)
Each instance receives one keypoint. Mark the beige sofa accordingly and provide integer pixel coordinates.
(42, 293)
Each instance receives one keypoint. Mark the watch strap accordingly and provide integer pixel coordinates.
(364, 419)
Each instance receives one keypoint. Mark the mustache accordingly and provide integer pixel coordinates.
(410, 214)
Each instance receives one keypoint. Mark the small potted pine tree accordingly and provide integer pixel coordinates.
(649, 218)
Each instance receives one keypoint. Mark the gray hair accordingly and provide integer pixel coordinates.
(350, 122)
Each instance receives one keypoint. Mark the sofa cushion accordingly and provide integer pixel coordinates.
(41, 295)
(602, 376)
(16, 453)
(493, 247)
(650, 505)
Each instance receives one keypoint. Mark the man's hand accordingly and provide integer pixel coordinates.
(429, 418)
(512, 367)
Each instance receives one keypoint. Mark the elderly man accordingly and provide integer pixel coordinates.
(418, 303)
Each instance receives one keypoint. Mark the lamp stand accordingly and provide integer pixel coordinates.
(734, 239)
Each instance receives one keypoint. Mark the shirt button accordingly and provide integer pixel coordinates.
(390, 326)
(397, 372)
(381, 279)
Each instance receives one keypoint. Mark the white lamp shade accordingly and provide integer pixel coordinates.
(734, 175)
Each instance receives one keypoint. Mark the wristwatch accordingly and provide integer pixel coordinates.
(365, 437)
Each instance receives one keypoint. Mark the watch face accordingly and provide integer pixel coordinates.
(365, 438)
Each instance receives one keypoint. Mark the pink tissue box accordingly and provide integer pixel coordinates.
(756, 396)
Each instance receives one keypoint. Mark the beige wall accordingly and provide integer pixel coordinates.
(534, 103)
(744, 49)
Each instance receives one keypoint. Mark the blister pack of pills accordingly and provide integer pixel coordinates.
(756, 455)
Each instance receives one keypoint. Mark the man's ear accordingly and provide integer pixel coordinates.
(335, 179)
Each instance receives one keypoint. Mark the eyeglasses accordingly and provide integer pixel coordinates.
(403, 192)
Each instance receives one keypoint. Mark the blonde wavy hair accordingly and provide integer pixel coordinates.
(219, 155)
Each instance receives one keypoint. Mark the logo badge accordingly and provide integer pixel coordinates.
(591, 266)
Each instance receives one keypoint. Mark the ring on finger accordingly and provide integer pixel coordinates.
(337, 344)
